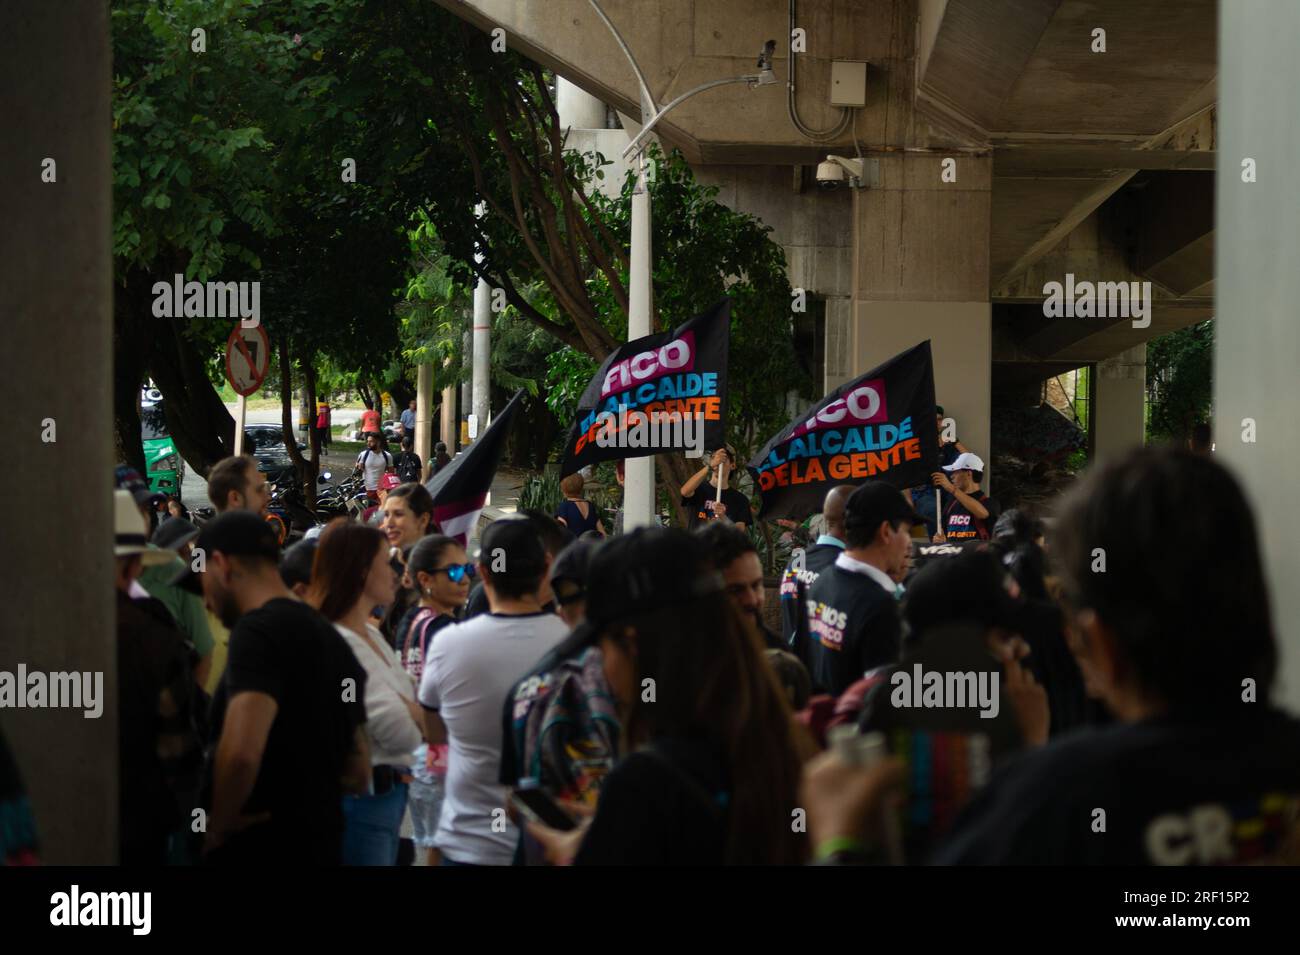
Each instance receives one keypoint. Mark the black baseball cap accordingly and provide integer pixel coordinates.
(174, 532)
(235, 534)
(640, 572)
(518, 538)
(573, 564)
(876, 502)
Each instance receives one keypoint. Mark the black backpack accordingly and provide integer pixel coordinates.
(408, 467)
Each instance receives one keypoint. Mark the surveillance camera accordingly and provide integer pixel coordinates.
(829, 176)
(765, 57)
(832, 173)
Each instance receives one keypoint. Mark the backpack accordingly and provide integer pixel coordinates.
(365, 456)
(566, 728)
(408, 468)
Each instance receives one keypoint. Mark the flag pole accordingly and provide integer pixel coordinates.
(938, 513)
(722, 479)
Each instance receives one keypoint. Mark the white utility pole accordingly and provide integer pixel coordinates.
(638, 476)
(482, 347)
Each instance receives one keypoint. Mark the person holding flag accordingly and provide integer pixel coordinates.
(970, 514)
(715, 499)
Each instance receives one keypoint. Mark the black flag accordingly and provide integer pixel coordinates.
(879, 426)
(664, 392)
(461, 488)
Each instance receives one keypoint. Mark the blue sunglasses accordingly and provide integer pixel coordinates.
(457, 572)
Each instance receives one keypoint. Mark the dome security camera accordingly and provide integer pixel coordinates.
(829, 176)
(836, 170)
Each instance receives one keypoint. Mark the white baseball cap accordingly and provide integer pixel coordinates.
(966, 462)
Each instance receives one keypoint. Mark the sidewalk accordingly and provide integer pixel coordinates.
(504, 497)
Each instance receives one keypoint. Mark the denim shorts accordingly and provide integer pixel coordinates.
(426, 807)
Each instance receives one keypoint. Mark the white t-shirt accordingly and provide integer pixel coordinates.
(393, 734)
(373, 464)
(470, 670)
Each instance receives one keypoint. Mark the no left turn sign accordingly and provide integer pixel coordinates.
(248, 355)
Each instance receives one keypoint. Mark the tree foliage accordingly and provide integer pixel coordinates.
(1180, 383)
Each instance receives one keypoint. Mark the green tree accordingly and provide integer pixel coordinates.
(1180, 382)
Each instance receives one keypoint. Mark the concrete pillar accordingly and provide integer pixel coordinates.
(56, 298)
(1119, 403)
(1256, 244)
(577, 108)
(466, 387)
(482, 383)
(449, 422)
(921, 270)
(424, 410)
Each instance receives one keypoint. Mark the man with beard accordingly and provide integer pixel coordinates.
(736, 558)
(287, 713)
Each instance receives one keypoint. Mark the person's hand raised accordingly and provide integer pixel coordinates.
(1027, 697)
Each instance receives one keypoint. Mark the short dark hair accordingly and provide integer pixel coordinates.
(1183, 590)
(860, 536)
(792, 675)
(554, 535)
(525, 556)
(229, 474)
(407, 442)
(725, 542)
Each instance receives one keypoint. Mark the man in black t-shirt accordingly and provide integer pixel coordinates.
(805, 567)
(853, 622)
(699, 497)
(287, 715)
(1177, 638)
(969, 514)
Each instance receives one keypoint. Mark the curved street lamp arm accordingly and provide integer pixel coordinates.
(635, 144)
(646, 98)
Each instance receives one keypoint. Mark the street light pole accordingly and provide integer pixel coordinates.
(638, 475)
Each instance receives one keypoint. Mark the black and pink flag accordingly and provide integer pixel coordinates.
(460, 490)
(879, 426)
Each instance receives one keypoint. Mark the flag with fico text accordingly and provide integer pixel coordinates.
(663, 392)
(879, 426)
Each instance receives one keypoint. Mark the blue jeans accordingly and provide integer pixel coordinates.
(371, 827)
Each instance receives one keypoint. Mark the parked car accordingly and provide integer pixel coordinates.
(265, 442)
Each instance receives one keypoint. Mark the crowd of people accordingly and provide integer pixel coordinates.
(556, 696)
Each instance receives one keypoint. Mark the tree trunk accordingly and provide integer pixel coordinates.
(144, 345)
(304, 469)
(128, 377)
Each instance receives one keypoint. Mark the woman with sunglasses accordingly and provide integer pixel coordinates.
(440, 572)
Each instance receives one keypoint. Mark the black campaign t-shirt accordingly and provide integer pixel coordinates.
(699, 506)
(1204, 791)
(815, 560)
(853, 626)
(288, 651)
(961, 525)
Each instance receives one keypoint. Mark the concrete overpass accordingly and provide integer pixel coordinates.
(56, 259)
(1068, 159)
